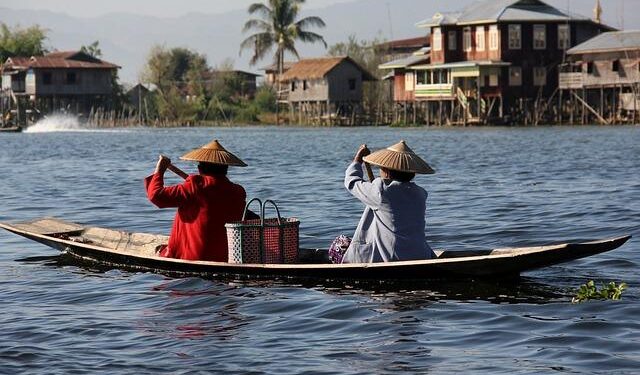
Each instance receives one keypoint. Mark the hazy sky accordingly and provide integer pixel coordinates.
(159, 8)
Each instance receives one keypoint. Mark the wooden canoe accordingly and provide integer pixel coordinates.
(136, 251)
(11, 129)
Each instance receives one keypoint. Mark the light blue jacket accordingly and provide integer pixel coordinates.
(392, 226)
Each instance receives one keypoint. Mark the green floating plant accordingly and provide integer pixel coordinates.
(589, 291)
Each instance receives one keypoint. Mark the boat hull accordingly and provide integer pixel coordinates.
(136, 251)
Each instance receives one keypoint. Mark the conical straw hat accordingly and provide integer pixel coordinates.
(399, 157)
(214, 153)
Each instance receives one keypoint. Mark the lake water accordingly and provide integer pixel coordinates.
(494, 187)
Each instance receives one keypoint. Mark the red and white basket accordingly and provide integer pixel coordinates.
(273, 240)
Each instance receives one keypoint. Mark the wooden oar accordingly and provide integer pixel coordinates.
(177, 171)
(367, 167)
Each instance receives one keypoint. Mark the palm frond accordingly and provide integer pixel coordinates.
(261, 9)
(311, 37)
(312, 21)
(256, 24)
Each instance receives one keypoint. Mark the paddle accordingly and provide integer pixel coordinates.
(177, 171)
(367, 167)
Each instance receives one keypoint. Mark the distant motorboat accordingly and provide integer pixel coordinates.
(11, 129)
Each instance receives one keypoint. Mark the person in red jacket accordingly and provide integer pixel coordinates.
(205, 203)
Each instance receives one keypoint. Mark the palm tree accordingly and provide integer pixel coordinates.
(279, 27)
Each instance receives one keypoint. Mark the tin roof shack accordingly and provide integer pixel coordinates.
(402, 48)
(71, 80)
(601, 78)
(497, 54)
(140, 98)
(328, 88)
(241, 84)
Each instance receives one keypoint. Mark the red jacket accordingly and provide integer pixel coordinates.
(205, 204)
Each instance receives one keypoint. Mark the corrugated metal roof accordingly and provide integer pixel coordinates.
(462, 64)
(609, 41)
(59, 60)
(319, 67)
(417, 42)
(404, 62)
(483, 11)
(440, 19)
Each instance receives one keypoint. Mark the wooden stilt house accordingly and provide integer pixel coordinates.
(496, 61)
(325, 90)
(70, 81)
(600, 81)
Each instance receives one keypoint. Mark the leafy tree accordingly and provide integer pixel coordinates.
(92, 49)
(279, 27)
(265, 99)
(180, 75)
(19, 41)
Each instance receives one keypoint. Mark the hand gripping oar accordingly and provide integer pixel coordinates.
(177, 170)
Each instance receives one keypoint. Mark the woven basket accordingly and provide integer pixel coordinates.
(273, 240)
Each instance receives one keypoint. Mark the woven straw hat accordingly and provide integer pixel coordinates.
(399, 157)
(214, 153)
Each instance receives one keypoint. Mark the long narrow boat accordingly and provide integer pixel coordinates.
(11, 129)
(137, 251)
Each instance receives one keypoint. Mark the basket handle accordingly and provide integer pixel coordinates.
(246, 208)
(274, 206)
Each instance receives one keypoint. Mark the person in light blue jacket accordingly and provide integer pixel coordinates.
(392, 226)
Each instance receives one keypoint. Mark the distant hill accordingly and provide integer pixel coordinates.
(126, 38)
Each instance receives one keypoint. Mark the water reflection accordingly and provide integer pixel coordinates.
(402, 294)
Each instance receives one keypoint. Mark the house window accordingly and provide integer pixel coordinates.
(293, 86)
(515, 36)
(590, 67)
(493, 38)
(440, 76)
(539, 76)
(539, 37)
(437, 39)
(421, 77)
(493, 80)
(480, 38)
(515, 76)
(466, 40)
(71, 78)
(352, 84)
(46, 78)
(304, 85)
(453, 43)
(615, 66)
(564, 37)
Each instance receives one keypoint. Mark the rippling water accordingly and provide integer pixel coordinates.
(494, 187)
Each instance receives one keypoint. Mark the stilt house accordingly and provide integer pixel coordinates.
(328, 88)
(72, 81)
(600, 81)
(494, 60)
